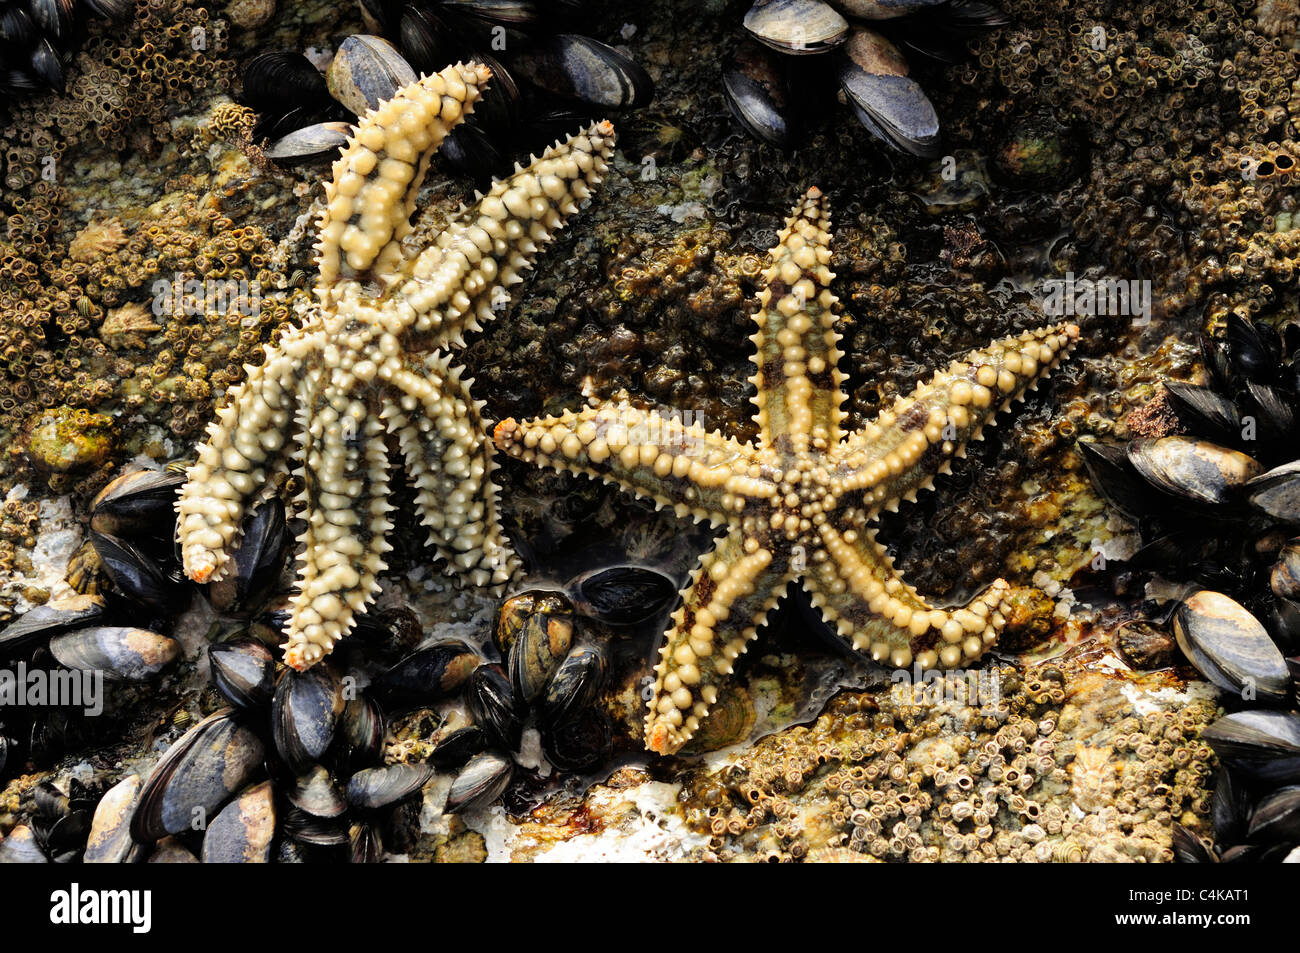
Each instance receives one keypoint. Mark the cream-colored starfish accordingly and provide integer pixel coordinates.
(799, 504)
(367, 360)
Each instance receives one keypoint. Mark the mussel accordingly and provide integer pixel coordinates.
(1261, 744)
(578, 67)
(1277, 492)
(873, 75)
(426, 675)
(1191, 469)
(797, 26)
(109, 841)
(304, 712)
(257, 561)
(206, 767)
(480, 782)
(373, 788)
(117, 651)
(38, 624)
(1230, 647)
(622, 595)
(574, 686)
(140, 503)
(243, 670)
(492, 701)
(1277, 816)
(365, 71)
(316, 793)
(243, 831)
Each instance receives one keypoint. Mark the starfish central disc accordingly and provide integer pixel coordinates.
(800, 504)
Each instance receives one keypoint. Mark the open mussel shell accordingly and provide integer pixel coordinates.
(310, 142)
(757, 94)
(1194, 470)
(373, 788)
(200, 772)
(578, 67)
(243, 670)
(304, 713)
(622, 595)
(1277, 492)
(1261, 744)
(137, 576)
(316, 793)
(873, 75)
(359, 738)
(20, 847)
(480, 782)
(118, 651)
(576, 684)
(243, 831)
(110, 840)
(580, 742)
(256, 562)
(426, 675)
(365, 71)
(796, 26)
(729, 722)
(1230, 647)
(38, 624)
(1277, 817)
(137, 504)
(538, 651)
(1205, 412)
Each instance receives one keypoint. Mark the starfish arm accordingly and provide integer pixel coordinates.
(344, 475)
(440, 430)
(699, 474)
(899, 452)
(458, 282)
(798, 380)
(860, 592)
(375, 180)
(246, 447)
(728, 598)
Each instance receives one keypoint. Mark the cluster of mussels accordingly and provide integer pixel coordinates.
(768, 94)
(544, 82)
(299, 766)
(1215, 505)
(38, 37)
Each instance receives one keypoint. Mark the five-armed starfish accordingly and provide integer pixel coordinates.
(800, 504)
(366, 360)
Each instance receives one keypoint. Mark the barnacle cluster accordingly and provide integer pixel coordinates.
(72, 312)
(1057, 767)
(1184, 107)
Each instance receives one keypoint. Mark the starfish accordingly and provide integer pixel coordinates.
(367, 361)
(800, 504)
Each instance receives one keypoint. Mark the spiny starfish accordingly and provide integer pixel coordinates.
(366, 360)
(799, 504)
